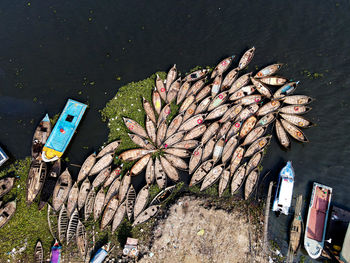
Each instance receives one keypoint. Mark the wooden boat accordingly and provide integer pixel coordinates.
(242, 92)
(176, 162)
(215, 88)
(38, 252)
(190, 112)
(72, 226)
(164, 113)
(247, 126)
(109, 148)
(61, 190)
(195, 132)
(229, 79)
(170, 170)
(293, 131)
(101, 177)
(156, 100)
(209, 148)
(224, 180)
(89, 204)
(274, 80)
(266, 119)
(197, 86)
(99, 203)
(173, 90)
(130, 202)
(150, 175)
(201, 172)
(113, 175)
(134, 127)
(86, 167)
(72, 199)
(218, 112)
(236, 159)
(218, 100)
(146, 215)
(297, 99)
(255, 134)
(81, 239)
(187, 103)
(203, 105)
(161, 88)
(101, 164)
(231, 113)
(295, 109)
(175, 138)
(203, 93)
(250, 183)
(247, 112)
(296, 228)
(140, 165)
(254, 161)
(141, 200)
(246, 58)
(6, 185)
(171, 77)
(297, 120)
(212, 177)
(160, 175)
(235, 127)
(83, 193)
(183, 153)
(49, 184)
(282, 135)
(56, 253)
(151, 130)
(124, 186)
(138, 140)
(119, 216)
(258, 145)
(218, 148)
(174, 125)
(192, 122)
(316, 222)
(250, 99)
(240, 82)
(210, 131)
(63, 221)
(63, 131)
(228, 149)
(162, 196)
(35, 180)
(52, 221)
(188, 144)
(40, 136)
(261, 87)
(268, 71)
(181, 95)
(109, 212)
(196, 159)
(149, 110)
(6, 212)
(134, 154)
(238, 178)
(285, 90)
(222, 66)
(196, 75)
(268, 107)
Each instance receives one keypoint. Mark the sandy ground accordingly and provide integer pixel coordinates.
(194, 234)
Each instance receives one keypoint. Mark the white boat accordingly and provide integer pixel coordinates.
(284, 192)
(3, 156)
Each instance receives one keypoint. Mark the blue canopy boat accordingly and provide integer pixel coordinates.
(3, 157)
(63, 131)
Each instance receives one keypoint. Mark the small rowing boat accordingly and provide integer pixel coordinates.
(61, 191)
(6, 212)
(40, 136)
(50, 183)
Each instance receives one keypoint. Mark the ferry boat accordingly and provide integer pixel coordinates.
(63, 131)
(284, 192)
(317, 220)
(3, 156)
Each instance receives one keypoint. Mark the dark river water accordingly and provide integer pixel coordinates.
(51, 51)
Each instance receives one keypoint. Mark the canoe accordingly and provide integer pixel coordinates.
(218, 148)
(109, 148)
(162, 196)
(235, 127)
(63, 221)
(119, 216)
(141, 142)
(266, 119)
(196, 159)
(258, 145)
(149, 110)
(130, 202)
(187, 144)
(282, 135)
(151, 130)
(6, 185)
(195, 132)
(134, 154)
(170, 170)
(174, 125)
(228, 149)
(215, 88)
(222, 66)
(112, 190)
(86, 167)
(187, 103)
(124, 187)
(72, 201)
(101, 177)
(201, 172)
(209, 148)
(114, 174)
(135, 127)
(203, 105)
(183, 153)
(99, 203)
(285, 90)
(296, 228)
(242, 92)
(255, 134)
(295, 109)
(212, 177)
(141, 200)
(171, 76)
(50, 182)
(156, 100)
(217, 112)
(192, 122)
(40, 136)
(236, 159)
(160, 175)
(161, 88)
(198, 74)
(240, 82)
(254, 161)
(61, 190)
(218, 100)
(140, 165)
(109, 212)
(164, 113)
(146, 215)
(72, 226)
(229, 79)
(173, 90)
(268, 107)
(238, 178)
(101, 164)
(268, 71)
(176, 162)
(293, 131)
(81, 239)
(261, 88)
(175, 138)
(247, 112)
(231, 113)
(317, 217)
(224, 180)
(297, 99)
(181, 95)
(55, 253)
(210, 131)
(297, 120)
(250, 99)
(35, 180)
(149, 175)
(190, 112)
(6, 212)
(63, 132)
(83, 193)
(250, 183)
(89, 204)
(203, 93)
(247, 126)
(246, 58)
(274, 80)
(38, 252)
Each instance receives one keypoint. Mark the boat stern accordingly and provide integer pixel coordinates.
(50, 155)
(313, 248)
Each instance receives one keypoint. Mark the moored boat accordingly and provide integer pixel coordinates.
(38, 252)
(6, 212)
(3, 156)
(36, 179)
(61, 190)
(40, 136)
(296, 228)
(6, 185)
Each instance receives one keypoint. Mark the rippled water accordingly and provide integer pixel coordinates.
(52, 51)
